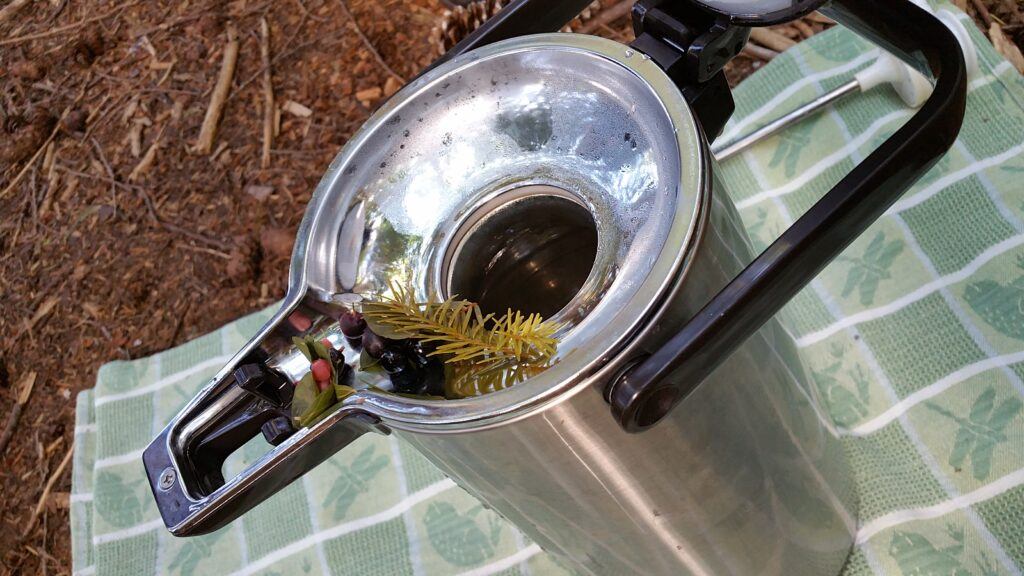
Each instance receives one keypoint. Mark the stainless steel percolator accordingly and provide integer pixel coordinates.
(572, 175)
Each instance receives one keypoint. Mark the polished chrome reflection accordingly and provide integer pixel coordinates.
(485, 176)
(529, 250)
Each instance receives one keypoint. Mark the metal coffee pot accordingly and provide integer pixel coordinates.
(677, 431)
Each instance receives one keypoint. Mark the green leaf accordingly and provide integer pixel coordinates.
(383, 330)
(304, 397)
(321, 351)
(324, 400)
(303, 347)
(367, 362)
(370, 379)
(342, 391)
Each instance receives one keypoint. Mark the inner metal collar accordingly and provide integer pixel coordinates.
(566, 167)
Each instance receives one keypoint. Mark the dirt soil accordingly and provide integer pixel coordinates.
(118, 239)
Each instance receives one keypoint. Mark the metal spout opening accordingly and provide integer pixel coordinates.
(530, 249)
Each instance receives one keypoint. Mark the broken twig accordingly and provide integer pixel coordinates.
(42, 148)
(1006, 47)
(208, 132)
(366, 42)
(68, 28)
(27, 383)
(13, 6)
(606, 16)
(46, 490)
(268, 94)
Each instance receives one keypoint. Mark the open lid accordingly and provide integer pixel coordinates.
(561, 174)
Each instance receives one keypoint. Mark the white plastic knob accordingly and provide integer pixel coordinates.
(956, 26)
(910, 84)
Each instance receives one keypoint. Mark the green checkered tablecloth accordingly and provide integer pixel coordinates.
(915, 337)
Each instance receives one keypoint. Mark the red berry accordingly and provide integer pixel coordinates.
(299, 321)
(321, 386)
(327, 343)
(321, 370)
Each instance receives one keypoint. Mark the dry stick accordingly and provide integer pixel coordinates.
(7, 11)
(220, 91)
(368, 44)
(606, 16)
(759, 52)
(148, 158)
(42, 147)
(268, 94)
(27, 383)
(1006, 47)
(49, 486)
(62, 29)
(979, 5)
(771, 39)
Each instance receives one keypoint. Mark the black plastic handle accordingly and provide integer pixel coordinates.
(652, 387)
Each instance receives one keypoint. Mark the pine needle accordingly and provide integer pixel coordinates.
(463, 333)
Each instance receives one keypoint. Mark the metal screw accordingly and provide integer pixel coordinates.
(167, 478)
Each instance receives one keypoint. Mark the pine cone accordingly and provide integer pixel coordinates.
(459, 22)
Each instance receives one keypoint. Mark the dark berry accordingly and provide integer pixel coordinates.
(433, 378)
(373, 344)
(337, 359)
(407, 381)
(393, 361)
(321, 370)
(415, 353)
(352, 323)
(346, 375)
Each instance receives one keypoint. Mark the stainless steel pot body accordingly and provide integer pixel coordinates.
(571, 171)
(744, 477)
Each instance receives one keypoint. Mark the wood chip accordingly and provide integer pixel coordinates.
(391, 86)
(44, 309)
(771, 39)
(208, 132)
(135, 139)
(147, 161)
(294, 108)
(258, 192)
(1006, 47)
(59, 501)
(369, 96)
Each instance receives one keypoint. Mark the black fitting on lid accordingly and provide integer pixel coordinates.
(264, 383)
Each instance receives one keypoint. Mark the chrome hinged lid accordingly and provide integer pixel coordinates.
(553, 132)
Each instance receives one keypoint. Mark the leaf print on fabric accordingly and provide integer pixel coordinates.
(838, 48)
(792, 143)
(195, 551)
(980, 433)
(917, 556)
(353, 480)
(116, 500)
(1001, 306)
(458, 537)
(847, 407)
(869, 269)
(761, 235)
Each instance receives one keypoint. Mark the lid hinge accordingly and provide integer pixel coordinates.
(692, 46)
